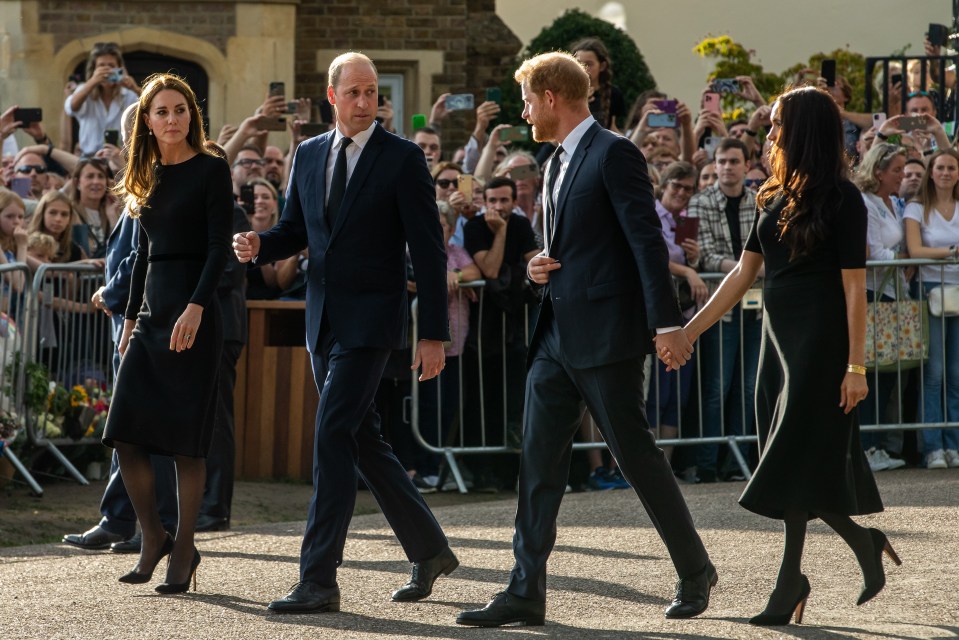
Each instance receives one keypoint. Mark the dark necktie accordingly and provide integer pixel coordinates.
(337, 184)
(554, 166)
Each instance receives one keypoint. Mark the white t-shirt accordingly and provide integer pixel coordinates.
(938, 232)
(95, 118)
(884, 238)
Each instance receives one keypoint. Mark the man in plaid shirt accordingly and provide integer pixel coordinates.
(729, 358)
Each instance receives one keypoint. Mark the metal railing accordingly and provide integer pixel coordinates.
(691, 429)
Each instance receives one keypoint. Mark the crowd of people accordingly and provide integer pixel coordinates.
(56, 205)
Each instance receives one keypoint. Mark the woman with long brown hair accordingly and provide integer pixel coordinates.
(606, 102)
(96, 208)
(164, 399)
(811, 235)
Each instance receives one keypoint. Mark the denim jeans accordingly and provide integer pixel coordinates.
(728, 381)
(942, 368)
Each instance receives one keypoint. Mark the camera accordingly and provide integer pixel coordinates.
(115, 76)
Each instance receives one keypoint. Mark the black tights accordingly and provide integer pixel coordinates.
(137, 472)
(788, 584)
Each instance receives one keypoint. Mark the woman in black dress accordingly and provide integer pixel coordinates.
(165, 393)
(811, 235)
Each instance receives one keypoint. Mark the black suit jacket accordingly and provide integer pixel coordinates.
(231, 291)
(614, 288)
(357, 269)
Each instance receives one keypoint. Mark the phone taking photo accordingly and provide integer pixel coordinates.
(712, 102)
(661, 120)
(27, 116)
(459, 101)
(464, 184)
(494, 94)
(827, 71)
(878, 119)
(725, 85)
(277, 89)
(912, 123)
(516, 133)
(111, 136)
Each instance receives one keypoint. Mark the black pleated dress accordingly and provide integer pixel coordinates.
(164, 400)
(810, 454)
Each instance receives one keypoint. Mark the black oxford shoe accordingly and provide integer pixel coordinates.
(424, 575)
(95, 538)
(692, 593)
(308, 597)
(505, 608)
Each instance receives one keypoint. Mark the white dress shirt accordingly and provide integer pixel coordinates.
(352, 154)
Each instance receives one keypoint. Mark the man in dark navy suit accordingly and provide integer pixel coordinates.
(357, 196)
(608, 297)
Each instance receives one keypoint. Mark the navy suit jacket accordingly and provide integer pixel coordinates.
(357, 270)
(121, 254)
(614, 288)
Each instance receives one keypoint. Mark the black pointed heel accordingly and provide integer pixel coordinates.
(880, 545)
(181, 587)
(137, 577)
(766, 619)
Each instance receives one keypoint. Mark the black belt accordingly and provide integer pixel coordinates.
(167, 257)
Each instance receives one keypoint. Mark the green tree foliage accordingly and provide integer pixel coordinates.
(630, 72)
(850, 65)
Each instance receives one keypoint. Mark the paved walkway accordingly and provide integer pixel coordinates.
(609, 577)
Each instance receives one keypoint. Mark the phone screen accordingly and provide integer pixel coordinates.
(494, 94)
(21, 187)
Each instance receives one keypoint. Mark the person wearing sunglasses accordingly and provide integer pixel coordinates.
(98, 103)
(33, 166)
(755, 178)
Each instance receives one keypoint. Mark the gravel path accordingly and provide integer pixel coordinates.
(610, 577)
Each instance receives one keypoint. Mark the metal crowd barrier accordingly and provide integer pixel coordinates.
(14, 352)
(930, 65)
(71, 338)
(690, 427)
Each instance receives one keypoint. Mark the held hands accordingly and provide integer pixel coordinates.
(246, 246)
(539, 267)
(431, 356)
(852, 391)
(184, 331)
(673, 348)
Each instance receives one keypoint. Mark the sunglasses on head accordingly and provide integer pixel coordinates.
(444, 183)
(27, 168)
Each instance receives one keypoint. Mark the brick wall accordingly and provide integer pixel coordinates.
(436, 25)
(213, 22)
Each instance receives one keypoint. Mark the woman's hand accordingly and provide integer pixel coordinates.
(852, 391)
(452, 281)
(125, 337)
(698, 288)
(184, 331)
(691, 248)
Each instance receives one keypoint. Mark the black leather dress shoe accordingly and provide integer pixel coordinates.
(308, 597)
(692, 593)
(505, 608)
(424, 575)
(209, 523)
(95, 538)
(128, 546)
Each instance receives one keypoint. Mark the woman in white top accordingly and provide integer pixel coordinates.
(879, 177)
(98, 103)
(932, 231)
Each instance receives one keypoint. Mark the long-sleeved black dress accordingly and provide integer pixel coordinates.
(811, 458)
(165, 400)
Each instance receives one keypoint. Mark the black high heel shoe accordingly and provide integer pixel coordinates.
(136, 577)
(880, 545)
(767, 619)
(180, 587)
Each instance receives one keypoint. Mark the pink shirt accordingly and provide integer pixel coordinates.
(457, 258)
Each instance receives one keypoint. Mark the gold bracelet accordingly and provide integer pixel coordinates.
(856, 368)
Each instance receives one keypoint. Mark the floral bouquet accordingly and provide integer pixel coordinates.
(9, 428)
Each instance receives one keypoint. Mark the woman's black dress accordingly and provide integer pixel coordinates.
(164, 400)
(811, 458)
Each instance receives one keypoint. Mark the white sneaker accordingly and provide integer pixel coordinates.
(878, 460)
(936, 460)
(952, 458)
(893, 463)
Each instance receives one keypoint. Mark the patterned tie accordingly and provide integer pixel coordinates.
(550, 186)
(337, 184)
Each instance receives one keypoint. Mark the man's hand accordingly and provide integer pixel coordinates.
(431, 357)
(674, 349)
(539, 267)
(246, 246)
(98, 302)
(484, 114)
(748, 91)
(494, 221)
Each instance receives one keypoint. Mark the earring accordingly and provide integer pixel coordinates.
(151, 132)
